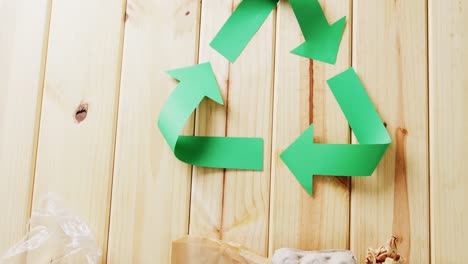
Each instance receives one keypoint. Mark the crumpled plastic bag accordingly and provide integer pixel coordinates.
(198, 250)
(56, 236)
(295, 256)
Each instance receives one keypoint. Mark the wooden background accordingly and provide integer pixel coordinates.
(116, 171)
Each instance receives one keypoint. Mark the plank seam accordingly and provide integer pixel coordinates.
(350, 135)
(273, 138)
(228, 86)
(272, 87)
(197, 61)
(39, 107)
(428, 102)
(116, 123)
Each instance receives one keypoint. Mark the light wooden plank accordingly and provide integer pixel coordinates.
(389, 55)
(250, 105)
(23, 43)
(75, 158)
(448, 59)
(151, 191)
(208, 184)
(303, 97)
(235, 208)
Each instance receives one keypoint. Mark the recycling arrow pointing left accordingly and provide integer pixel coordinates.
(196, 83)
(305, 158)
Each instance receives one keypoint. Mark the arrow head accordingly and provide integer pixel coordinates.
(323, 44)
(297, 162)
(201, 80)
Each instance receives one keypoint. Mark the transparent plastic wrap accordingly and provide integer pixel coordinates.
(197, 250)
(56, 235)
(202, 250)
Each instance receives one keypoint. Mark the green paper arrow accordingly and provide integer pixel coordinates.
(321, 39)
(196, 83)
(306, 159)
(241, 26)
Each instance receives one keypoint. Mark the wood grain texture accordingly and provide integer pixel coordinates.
(250, 105)
(24, 31)
(389, 55)
(114, 169)
(448, 59)
(75, 158)
(151, 191)
(235, 207)
(302, 97)
(208, 184)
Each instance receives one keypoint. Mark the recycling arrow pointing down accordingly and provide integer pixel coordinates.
(322, 40)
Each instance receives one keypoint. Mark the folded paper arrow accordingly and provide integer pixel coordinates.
(196, 83)
(241, 26)
(321, 39)
(305, 158)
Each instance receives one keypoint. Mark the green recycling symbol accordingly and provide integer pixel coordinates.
(303, 157)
